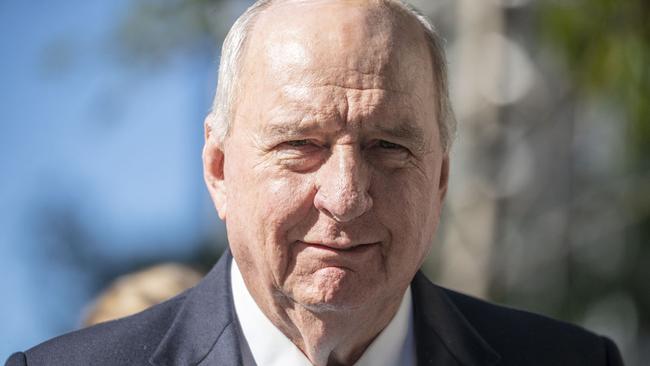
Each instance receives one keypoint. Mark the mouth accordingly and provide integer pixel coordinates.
(336, 260)
(340, 249)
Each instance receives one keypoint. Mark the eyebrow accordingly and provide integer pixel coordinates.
(291, 128)
(403, 132)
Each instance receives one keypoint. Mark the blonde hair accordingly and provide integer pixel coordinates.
(138, 291)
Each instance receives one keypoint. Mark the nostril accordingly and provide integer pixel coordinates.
(329, 214)
(321, 203)
(345, 206)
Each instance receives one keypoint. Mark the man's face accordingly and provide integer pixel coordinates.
(333, 175)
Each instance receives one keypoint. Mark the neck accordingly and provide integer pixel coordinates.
(330, 337)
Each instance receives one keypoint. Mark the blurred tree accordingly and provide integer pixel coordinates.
(605, 45)
(153, 30)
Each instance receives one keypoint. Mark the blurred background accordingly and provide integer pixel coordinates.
(101, 113)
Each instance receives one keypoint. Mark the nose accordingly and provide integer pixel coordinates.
(342, 187)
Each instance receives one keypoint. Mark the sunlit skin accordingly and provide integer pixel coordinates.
(332, 179)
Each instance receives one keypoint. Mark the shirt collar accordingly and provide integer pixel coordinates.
(395, 345)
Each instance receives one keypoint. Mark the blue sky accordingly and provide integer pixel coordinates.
(94, 148)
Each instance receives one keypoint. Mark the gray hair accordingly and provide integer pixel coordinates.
(232, 57)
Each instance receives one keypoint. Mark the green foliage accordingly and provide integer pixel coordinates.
(606, 47)
(154, 30)
(606, 44)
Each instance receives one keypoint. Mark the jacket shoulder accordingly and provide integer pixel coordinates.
(126, 341)
(524, 338)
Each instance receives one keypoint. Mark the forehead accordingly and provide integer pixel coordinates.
(324, 57)
(333, 106)
(365, 43)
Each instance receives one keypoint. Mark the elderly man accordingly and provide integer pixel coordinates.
(326, 155)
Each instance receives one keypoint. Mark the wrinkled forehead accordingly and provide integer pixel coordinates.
(353, 43)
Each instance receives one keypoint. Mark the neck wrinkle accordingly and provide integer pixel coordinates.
(328, 337)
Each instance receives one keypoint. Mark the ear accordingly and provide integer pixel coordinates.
(213, 171)
(444, 178)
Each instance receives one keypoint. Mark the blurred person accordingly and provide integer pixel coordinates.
(135, 292)
(327, 156)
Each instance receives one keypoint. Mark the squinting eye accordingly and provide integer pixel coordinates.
(388, 145)
(298, 143)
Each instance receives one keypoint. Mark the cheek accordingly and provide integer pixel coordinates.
(287, 201)
(268, 205)
(414, 197)
(410, 193)
(284, 202)
(263, 194)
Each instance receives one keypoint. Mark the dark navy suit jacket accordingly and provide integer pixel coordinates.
(199, 327)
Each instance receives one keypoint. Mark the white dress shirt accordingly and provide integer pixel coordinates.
(395, 345)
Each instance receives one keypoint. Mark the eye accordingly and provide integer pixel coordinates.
(299, 147)
(388, 145)
(299, 155)
(388, 154)
(298, 143)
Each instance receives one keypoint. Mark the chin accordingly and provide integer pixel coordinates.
(332, 289)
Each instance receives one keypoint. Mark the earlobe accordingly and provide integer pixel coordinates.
(213, 172)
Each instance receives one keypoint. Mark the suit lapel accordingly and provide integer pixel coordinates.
(443, 335)
(205, 329)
